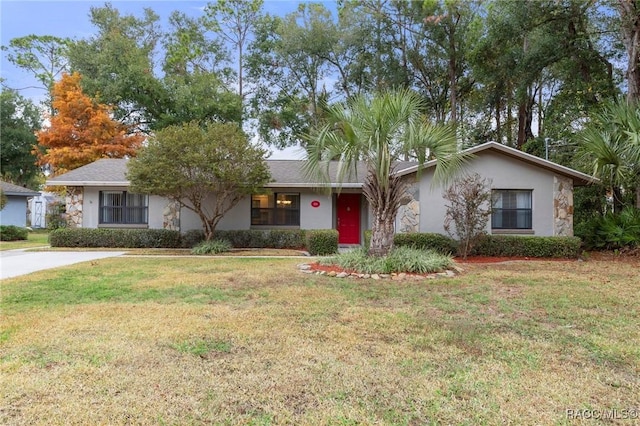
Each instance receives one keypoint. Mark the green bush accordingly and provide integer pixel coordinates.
(286, 238)
(13, 233)
(528, 246)
(243, 238)
(55, 216)
(192, 238)
(322, 242)
(114, 238)
(263, 238)
(212, 247)
(420, 240)
(427, 241)
(611, 231)
(401, 259)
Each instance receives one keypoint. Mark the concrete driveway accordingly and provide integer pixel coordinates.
(19, 262)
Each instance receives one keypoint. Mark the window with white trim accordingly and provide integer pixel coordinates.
(511, 209)
(123, 208)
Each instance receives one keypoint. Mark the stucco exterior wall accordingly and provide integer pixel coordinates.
(91, 207)
(240, 216)
(505, 173)
(162, 215)
(14, 212)
(320, 217)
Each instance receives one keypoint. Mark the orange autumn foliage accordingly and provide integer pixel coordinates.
(82, 130)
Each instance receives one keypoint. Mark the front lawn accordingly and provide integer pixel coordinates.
(34, 239)
(254, 341)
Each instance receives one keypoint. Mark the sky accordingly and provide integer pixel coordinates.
(71, 19)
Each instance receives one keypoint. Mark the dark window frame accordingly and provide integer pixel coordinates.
(520, 218)
(274, 215)
(123, 214)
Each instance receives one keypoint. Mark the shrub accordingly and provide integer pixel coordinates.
(192, 238)
(427, 241)
(13, 233)
(245, 238)
(286, 238)
(400, 259)
(115, 238)
(612, 231)
(528, 246)
(322, 242)
(55, 216)
(212, 247)
(468, 211)
(263, 238)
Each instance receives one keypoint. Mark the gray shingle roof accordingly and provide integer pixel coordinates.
(112, 172)
(11, 189)
(99, 173)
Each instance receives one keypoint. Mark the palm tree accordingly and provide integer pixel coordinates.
(610, 143)
(381, 131)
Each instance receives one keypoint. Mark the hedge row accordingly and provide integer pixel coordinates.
(317, 242)
(251, 238)
(13, 233)
(493, 245)
(512, 245)
(421, 240)
(115, 238)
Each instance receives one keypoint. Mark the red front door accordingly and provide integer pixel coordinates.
(348, 215)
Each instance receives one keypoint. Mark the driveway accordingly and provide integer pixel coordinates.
(19, 262)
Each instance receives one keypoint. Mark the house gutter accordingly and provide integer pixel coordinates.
(85, 183)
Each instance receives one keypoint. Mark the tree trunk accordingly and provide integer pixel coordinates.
(453, 71)
(509, 115)
(525, 117)
(498, 122)
(381, 235)
(384, 203)
(630, 26)
(638, 196)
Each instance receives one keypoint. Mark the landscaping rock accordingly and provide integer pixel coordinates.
(343, 275)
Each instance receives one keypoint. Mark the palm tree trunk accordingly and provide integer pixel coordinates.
(381, 235)
(384, 203)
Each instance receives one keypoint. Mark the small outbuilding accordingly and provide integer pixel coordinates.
(15, 211)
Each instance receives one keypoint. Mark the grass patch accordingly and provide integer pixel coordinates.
(254, 341)
(202, 347)
(34, 239)
(401, 259)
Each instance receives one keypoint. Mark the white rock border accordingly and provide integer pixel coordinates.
(306, 268)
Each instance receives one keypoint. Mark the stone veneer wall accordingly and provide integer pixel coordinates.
(409, 213)
(171, 216)
(562, 207)
(73, 200)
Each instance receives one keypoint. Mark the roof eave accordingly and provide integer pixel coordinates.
(86, 183)
(21, 194)
(312, 185)
(579, 178)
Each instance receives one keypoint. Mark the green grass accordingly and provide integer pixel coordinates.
(201, 347)
(34, 239)
(255, 341)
